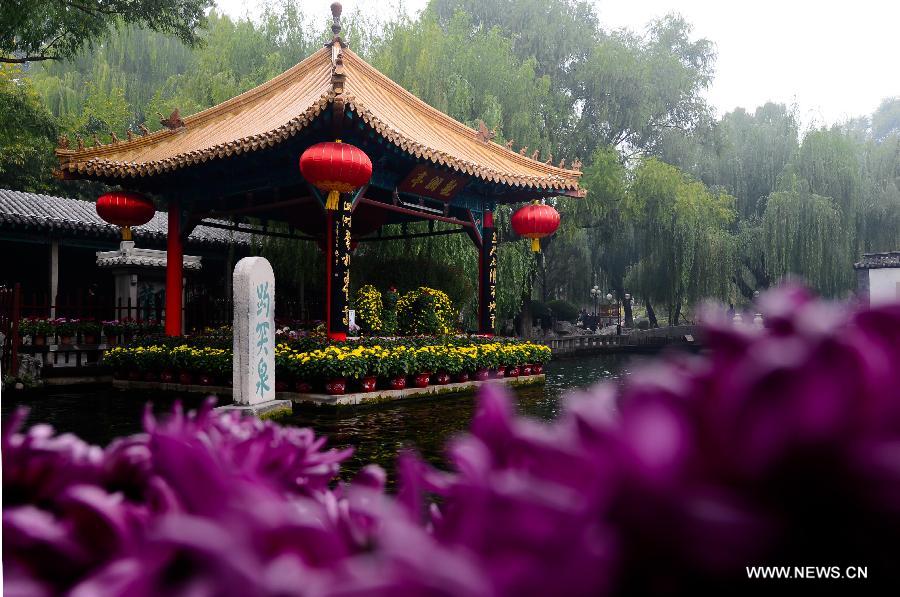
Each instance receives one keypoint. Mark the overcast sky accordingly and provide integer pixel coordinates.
(833, 59)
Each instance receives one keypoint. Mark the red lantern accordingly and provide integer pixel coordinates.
(335, 167)
(535, 221)
(125, 210)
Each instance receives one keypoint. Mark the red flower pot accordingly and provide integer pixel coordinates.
(65, 340)
(166, 377)
(442, 378)
(482, 375)
(537, 369)
(185, 378)
(336, 386)
(39, 340)
(368, 383)
(527, 369)
(151, 376)
(111, 340)
(499, 373)
(398, 383)
(206, 379)
(90, 338)
(462, 377)
(512, 372)
(281, 386)
(302, 387)
(420, 380)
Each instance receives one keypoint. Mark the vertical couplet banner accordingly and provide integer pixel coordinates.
(339, 279)
(488, 282)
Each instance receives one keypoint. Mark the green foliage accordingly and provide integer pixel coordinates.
(686, 251)
(389, 313)
(27, 135)
(34, 30)
(425, 311)
(804, 236)
(886, 119)
(563, 310)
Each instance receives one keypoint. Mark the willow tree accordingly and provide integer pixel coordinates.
(804, 236)
(685, 253)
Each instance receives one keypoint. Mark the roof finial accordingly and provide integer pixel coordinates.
(336, 16)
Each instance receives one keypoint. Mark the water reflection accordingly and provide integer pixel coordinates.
(377, 433)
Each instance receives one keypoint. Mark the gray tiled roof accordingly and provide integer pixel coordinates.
(73, 217)
(878, 260)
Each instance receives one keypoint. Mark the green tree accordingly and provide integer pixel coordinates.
(27, 135)
(37, 30)
(685, 250)
(632, 89)
(804, 237)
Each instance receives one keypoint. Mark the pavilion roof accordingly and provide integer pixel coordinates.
(276, 110)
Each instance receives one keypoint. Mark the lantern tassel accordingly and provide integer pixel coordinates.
(536, 245)
(332, 201)
(126, 232)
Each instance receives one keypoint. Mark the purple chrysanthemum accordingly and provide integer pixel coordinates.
(779, 446)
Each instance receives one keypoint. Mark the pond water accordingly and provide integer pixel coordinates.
(100, 413)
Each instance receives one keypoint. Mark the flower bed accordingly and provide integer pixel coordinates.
(312, 364)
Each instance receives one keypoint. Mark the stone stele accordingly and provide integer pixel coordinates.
(254, 332)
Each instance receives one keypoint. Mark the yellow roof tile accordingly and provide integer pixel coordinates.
(277, 109)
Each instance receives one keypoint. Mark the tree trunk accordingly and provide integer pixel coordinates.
(651, 315)
(525, 320)
(629, 319)
(676, 315)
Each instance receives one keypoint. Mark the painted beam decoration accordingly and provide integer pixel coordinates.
(432, 183)
(254, 332)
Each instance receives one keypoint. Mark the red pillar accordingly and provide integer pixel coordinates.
(174, 271)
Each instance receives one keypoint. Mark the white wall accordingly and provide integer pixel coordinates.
(884, 285)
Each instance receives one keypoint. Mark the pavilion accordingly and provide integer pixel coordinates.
(240, 159)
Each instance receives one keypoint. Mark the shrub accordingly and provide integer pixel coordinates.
(540, 311)
(426, 311)
(369, 310)
(563, 310)
(389, 313)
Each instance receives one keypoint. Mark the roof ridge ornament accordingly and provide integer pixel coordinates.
(336, 38)
(483, 134)
(173, 122)
(338, 76)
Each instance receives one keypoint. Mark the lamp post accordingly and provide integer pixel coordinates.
(628, 309)
(595, 295)
(609, 297)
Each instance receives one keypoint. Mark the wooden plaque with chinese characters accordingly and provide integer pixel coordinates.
(432, 183)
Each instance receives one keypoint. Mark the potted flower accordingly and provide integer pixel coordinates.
(119, 360)
(394, 365)
(184, 362)
(427, 361)
(65, 329)
(36, 328)
(150, 361)
(487, 360)
(112, 329)
(89, 330)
